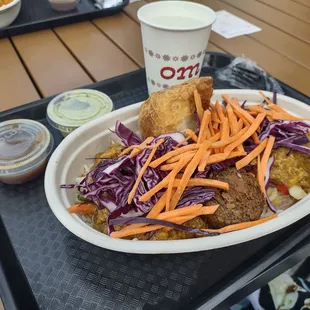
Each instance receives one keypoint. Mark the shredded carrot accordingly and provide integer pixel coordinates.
(178, 157)
(179, 212)
(191, 134)
(198, 104)
(259, 109)
(252, 129)
(158, 207)
(202, 211)
(215, 138)
(243, 225)
(240, 116)
(172, 176)
(211, 129)
(172, 165)
(188, 173)
(224, 129)
(204, 161)
(215, 126)
(230, 140)
(160, 160)
(155, 211)
(209, 210)
(232, 119)
(142, 145)
(83, 208)
(286, 116)
(220, 111)
(183, 141)
(214, 116)
(247, 159)
(240, 123)
(159, 186)
(282, 114)
(203, 126)
(238, 108)
(265, 158)
(217, 158)
(247, 123)
(208, 133)
(203, 182)
(143, 169)
(139, 147)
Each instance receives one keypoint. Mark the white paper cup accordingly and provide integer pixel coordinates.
(175, 35)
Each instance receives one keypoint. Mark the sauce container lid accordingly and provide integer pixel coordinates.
(72, 109)
(23, 145)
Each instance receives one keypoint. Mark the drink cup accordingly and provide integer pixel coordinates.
(175, 35)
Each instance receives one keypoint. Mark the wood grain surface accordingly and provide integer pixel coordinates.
(97, 54)
(51, 65)
(16, 87)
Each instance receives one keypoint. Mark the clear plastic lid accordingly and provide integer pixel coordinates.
(72, 109)
(23, 145)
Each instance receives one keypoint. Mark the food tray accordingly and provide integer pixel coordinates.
(38, 14)
(65, 272)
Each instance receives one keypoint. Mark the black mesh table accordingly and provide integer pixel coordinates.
(44, 266)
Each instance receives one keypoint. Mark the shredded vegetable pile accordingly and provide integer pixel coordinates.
(164, 181)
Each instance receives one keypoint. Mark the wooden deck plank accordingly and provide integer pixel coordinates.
(273, 17)
(303, 2)
(125, 33)
(16, 88)
(50, 64)
(101, 58)
(277, 65)
(132, 9)
(291, 8)
(213, 48)
(270, 36)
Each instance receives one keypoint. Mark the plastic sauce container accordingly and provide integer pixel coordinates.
(72, 109)
(63, 5)
(25, 146)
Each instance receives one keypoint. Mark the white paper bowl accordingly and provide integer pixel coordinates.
(67, 163)
(9, 12)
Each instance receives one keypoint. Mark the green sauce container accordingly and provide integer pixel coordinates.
(72, 109)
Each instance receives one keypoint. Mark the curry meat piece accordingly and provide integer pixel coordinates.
(243, 202)
(292, 169)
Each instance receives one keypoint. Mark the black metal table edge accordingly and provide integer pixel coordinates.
(300, 252)
(217, 295)
(16, 290)
(62, 20)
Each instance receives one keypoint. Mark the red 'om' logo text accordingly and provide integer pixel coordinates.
(169, 73)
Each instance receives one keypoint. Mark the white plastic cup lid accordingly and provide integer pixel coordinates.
(72, 109)
(23, 144)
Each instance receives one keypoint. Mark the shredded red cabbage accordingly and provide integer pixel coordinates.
(243, 104)
(290, 134)
(127, 136)
(144, 220)
(267, 182)
(274, 98)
